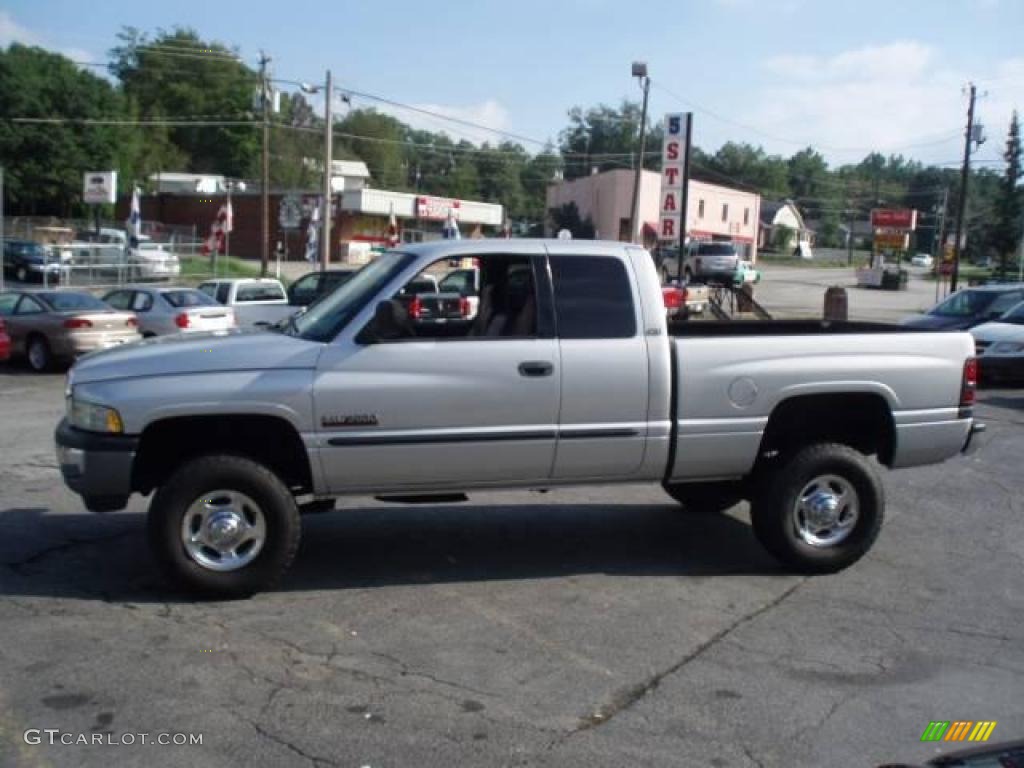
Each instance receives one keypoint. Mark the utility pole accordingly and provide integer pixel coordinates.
(964, 176)
(639, 71)
(265, 176)
(938, 244)
(2, 228)
(684, 198)
(325, 245)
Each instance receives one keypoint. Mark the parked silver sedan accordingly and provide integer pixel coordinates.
(165, 310)
(51, 326)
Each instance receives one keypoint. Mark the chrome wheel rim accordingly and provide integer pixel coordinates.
(826, 511)
(223, 530)
(37, 355)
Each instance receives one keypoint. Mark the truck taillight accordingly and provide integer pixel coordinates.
(131, 322)
(415, 308)
(673, 297)
(77, 322)
(181, 319)
(970, 382)
(463, 306)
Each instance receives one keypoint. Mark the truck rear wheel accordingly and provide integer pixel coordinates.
(705, 497)
(821, 511)
(224, 526)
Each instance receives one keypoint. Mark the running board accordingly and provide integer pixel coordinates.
(425, 498)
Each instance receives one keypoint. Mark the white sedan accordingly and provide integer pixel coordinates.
(922, 260)
(999, 347)
(165, 310)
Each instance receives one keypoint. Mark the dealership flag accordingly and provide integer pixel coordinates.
(392, 229)
(451, 227)
(313, 233)
(215, 241)
(134, 223)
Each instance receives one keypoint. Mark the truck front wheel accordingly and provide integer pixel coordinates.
(821, 510)
(225, 526)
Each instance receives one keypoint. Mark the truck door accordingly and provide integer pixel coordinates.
(443, 405)
(604, 401)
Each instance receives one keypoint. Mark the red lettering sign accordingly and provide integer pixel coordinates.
(668, 228)
(671, 175)
(672, 150)
(894, 218)
(670, 202)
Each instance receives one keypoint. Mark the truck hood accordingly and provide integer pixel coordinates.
(236, 350)
(998, 332)
(939, 322)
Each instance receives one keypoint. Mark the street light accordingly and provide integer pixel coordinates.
(639, 72)
(328, 90)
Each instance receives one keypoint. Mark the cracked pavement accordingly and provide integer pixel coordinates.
(585, 627)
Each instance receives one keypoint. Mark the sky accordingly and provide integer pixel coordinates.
(845, 77)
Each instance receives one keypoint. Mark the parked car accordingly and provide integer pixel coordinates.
(1000, 347)
(705, 261)
(5, 342)
(745, 273)
(257, 302)
(147, 261)
(466, 283)
(568, 374)
(28, 261)
(316, 285)
(968, 307)
(922, 260)
(57, 326)
(165, 310)
(684, 301)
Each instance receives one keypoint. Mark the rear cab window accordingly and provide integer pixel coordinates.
(252, 292)
(593, 298)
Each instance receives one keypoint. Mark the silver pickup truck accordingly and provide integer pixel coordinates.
(567, 374)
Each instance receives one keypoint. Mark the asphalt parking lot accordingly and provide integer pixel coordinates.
(585, 627)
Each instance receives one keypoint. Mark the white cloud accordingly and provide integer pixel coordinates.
(12, 32)
(897, 98)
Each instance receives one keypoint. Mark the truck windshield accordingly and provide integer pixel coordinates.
(327, 317)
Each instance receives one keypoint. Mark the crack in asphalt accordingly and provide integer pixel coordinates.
(405, 671)
(626, 697)
(18, 565)
(314, 759)
(751, 756)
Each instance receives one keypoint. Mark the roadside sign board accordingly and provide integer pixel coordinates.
(289, 214)
(670, 215)
(436, 208)
(897, 240)
(99, 187)
(894, 218)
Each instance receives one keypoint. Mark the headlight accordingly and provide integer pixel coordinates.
(94, 418)
(1007, 348)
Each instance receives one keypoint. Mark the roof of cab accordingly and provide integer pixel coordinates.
(524, 246)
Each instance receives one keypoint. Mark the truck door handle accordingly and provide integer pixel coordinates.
(535, 368)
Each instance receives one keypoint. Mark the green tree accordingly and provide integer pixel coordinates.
(745, 165)
(1006, 230)
(376, 139)
(782, 238)
(568, 217)
(178, 75)
(44, 162)
(605, 138)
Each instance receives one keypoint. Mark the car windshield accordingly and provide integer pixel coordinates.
(327, 317)
(1014, 315)
(964, 304)
(62, 302)
(188, 298)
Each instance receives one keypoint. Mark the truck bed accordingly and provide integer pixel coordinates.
(781, 328)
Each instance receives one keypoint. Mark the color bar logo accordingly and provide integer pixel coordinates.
(958, 730)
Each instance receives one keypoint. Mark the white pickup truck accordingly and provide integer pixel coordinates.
(567, 374)
(257, 302)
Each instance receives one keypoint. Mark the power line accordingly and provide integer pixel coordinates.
(133, 123)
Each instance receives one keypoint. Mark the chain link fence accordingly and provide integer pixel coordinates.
(82, 255)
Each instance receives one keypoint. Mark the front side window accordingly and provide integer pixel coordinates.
(304, 290)
(188, 298)
(119, 299)
(1005, 302)
(28, 306)
(143, 302)
(223, 292)
(593, 299)
(7, 302)
(964, 304)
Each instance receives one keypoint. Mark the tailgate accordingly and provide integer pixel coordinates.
(211, 318)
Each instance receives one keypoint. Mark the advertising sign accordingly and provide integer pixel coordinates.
(897, 240)
(436, 208)
(894, 218)
(99, 187)
(670, 215)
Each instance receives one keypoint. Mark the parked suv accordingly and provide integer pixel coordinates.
(705, 261)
